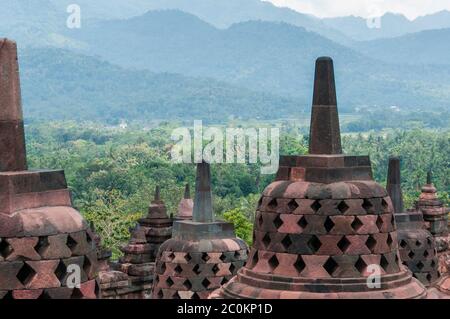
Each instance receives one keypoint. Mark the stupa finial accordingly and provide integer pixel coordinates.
(187, 192)
(394, 184)
(203, 212)
(325, 135)
(429, 177)
(157, 197)
(12, 149)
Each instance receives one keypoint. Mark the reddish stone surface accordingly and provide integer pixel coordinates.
(186, 205)
(345, 223)
(40, 233)
(203, 253)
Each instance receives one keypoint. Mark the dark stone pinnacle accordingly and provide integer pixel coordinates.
(394, 184)
(187, 192)
(325, 135)
(203, 212)
(429, 178)
(12, 136)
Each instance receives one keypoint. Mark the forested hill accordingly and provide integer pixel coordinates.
(58, 84)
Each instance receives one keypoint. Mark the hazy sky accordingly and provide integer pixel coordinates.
(365, 8)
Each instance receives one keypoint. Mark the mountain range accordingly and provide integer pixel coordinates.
(218, 58)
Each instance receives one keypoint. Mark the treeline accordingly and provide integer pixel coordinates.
(112, 172)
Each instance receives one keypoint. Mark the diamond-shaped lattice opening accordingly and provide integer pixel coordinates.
(25, 274)
(255, 258)
(61, 271)
(429, 241)
(418, 243)
(302, 222)
(343, 207)
(259, 203)
(273, 204)
(299, 264)
(329, 224)
(176, 296)
(379, 222)
(314, 244)
(316, 206)
(429, 277)
(171, 256)
(169, 282)
(188, 257)
(357, 224)
(278, 221)
(371, 243)
(389, 240)
(196, 269)
(232, 268)
(87, 265)
(273, 262)
(187, 284)
(163, 267)
(367, 205)
(160, 294)
(224, 281)
(384, 263)
(76, 294)
(384, 204)
(71, 243)
(403, 243)
(205, 257)
(223, 257)
(5, 249)
(330, 266)
(426, 253)
(420, 265)
(266, 240)
(286, 242)
(260, 220)
(360, 265)
(44, 295)
(292, 205)
(178, 270)
(343, 244)
(195, 296)
(433, 264)
(215, 269)
(237, 254)
(206, 283)
(88, 238)
(411, 254)
(42, 244)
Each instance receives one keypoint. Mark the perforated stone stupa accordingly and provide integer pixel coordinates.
(323, 225)
(140, 253)
(41, 235)
(203, 253)
(417, 247)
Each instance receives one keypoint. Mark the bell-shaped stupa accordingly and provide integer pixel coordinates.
(45, 248)
(202, 255)
(324, 228)
(417, 247)
(139, 257)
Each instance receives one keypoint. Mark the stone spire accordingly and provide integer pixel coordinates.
(187, 192)
(325, 136)
(429, 178)
(394, 185)
(186, 205)
(12, 136)
(203, 212)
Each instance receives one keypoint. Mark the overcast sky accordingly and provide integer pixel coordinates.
(365, 8)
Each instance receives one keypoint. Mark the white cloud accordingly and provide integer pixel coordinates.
(364, 8)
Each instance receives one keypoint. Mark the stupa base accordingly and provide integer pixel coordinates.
(251, 285)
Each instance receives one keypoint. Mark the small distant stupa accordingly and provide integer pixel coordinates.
(203, 253)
